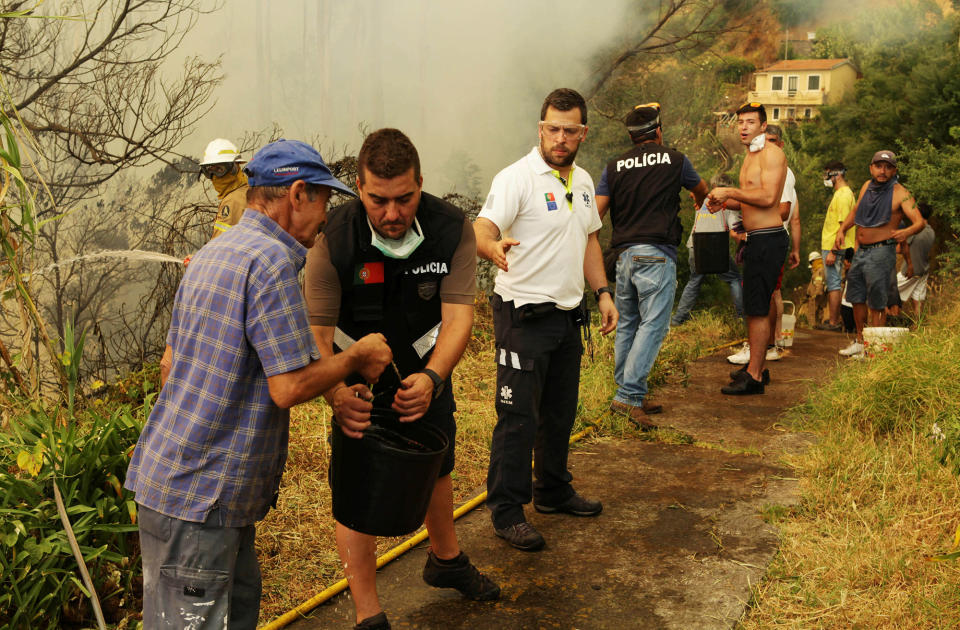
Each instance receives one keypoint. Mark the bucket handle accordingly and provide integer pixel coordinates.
(793, 308)
(723, 220)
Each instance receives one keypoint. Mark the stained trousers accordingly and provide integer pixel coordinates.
(538, 380)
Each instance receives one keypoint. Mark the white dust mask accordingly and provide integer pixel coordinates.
(828, 182)
(757, 143)
(398, 248)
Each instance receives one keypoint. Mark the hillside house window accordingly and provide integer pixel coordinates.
(776, 84)
(813, 82)
(791, 113)
(776, 113)
(807, 113)
(792, 83)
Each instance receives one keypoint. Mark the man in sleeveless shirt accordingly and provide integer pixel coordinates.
(400, 262)
(641, 188)
(882, 206)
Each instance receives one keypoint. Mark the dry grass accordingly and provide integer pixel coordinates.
(876, 499)
(296, 542)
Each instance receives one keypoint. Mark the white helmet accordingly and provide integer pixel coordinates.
(814, 256)
(220, 151)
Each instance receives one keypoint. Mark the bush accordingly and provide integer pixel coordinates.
(39, 580)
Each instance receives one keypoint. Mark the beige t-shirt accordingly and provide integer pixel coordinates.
(321, 284)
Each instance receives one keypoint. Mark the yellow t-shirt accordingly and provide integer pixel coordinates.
(840, 206)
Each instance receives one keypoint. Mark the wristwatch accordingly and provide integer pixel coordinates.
(438, 382)
(601, 290)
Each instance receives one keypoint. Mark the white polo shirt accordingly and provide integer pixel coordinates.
(527, 202)
(789, 194)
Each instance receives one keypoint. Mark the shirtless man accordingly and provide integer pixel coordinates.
(882, 205)
(762, 177)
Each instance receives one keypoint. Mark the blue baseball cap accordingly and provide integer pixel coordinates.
(283, 162)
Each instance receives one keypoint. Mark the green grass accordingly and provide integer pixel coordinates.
(880, 495)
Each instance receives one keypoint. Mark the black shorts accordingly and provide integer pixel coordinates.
(763, 258)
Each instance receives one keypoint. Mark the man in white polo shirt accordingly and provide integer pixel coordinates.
(539, 226)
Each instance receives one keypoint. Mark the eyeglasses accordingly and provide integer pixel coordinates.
(555, 129)
(217, 170)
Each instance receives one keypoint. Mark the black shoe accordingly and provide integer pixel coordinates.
(576, 505)
(828, 326)
(376, 622)
(460, 574)
(523, 536)
(764, 376)
(743, 385)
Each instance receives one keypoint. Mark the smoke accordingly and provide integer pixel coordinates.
(464, 80)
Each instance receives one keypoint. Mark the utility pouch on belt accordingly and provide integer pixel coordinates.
(529, 312)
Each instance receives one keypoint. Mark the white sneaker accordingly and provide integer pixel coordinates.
(853, 349)
(774, 353)
(742, 357)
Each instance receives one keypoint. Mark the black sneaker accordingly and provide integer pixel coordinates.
(576, 505)
(460, 574)
(376, 622)
(523, 536)
(743, 385)
(764, 376)
(828, 326)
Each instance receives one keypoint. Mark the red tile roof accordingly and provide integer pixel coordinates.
(807, 64)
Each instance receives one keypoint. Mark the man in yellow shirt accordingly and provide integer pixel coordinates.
(842, 203)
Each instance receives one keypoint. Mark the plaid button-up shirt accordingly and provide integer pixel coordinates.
(215, 438)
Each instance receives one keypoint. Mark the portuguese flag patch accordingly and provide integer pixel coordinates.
(368, 273)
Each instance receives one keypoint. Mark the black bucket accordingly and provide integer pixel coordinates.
(382, 482)
(711, 252)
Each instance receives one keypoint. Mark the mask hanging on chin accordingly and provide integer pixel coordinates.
(828, 182)
(399, 248)
(758, 143)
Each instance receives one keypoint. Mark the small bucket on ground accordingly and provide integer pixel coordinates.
(788, 322)
(881, 338)
(382, 482)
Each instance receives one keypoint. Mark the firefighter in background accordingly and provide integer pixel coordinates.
(221, 165)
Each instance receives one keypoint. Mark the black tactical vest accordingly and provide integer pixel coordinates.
(644, 188)
(399, 298)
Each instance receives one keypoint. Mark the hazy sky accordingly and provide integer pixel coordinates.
(464, 80)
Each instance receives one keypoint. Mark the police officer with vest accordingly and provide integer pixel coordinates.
(400, 262)
(641, 189)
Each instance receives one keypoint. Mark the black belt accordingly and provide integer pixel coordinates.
(889, 241)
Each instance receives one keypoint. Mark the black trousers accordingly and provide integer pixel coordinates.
(538, 382)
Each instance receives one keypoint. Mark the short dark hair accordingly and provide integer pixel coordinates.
(642, 122)
(836, 165)
(388, 153)
(746, 108)
(774, 130)
(925, 209)
(266, 194)
(564, 99)
(720, 179)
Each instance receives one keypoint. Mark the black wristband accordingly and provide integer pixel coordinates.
(600, 291)
(438, 382)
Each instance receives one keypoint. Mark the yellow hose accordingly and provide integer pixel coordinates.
(335, 589)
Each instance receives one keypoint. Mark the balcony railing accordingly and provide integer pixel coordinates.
(788, 97)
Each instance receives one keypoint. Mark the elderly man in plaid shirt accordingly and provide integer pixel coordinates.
(239, 354)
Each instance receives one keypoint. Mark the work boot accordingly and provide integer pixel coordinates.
(743, 385)
(576, 505)
(376, 622)
(636, 415)
(764, 376)
(523, 536)
(460, 574)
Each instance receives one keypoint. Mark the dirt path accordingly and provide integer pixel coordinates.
(681, 538)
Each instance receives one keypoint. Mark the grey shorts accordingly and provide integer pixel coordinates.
(868, 280)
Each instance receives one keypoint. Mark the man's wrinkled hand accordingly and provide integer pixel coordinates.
(371, 356)
(900, 236)
(414, 397)
(351, 408)
(830, 259)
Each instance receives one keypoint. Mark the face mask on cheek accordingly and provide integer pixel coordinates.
(757, 143)
(399, 248)
(828, 182)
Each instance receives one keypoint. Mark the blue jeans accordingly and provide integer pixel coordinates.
(692, 289)
(646, 283)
